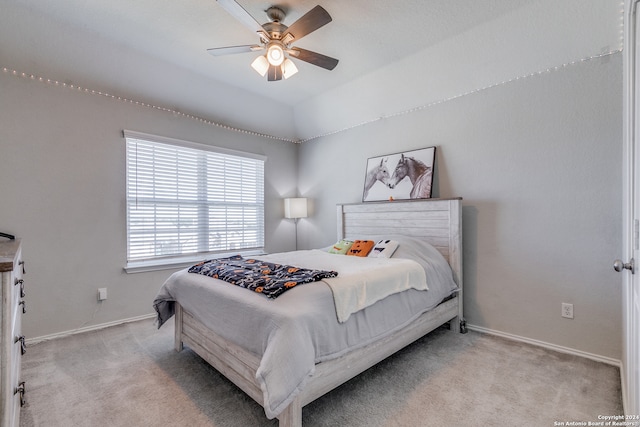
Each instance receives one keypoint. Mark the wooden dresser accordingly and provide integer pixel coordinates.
(11, 341)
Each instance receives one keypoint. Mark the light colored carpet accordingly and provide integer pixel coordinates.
(129, 375)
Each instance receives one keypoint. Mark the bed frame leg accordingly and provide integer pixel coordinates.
(292, 415)
(178, 328)
(458, 324)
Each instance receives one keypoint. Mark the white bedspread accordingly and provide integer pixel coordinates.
(361, 281)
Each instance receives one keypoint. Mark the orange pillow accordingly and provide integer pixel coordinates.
(361, 247)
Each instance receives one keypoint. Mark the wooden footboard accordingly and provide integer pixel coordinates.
(240, 366)
(232, 361)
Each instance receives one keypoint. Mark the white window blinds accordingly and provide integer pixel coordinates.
(186, 199)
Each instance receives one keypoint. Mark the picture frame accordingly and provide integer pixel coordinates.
(400, 176)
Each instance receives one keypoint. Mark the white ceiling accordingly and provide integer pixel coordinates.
(365, 35)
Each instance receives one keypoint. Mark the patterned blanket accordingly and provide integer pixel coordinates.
(264, 277)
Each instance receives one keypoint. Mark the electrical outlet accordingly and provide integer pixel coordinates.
(102, 294)
(567, 310)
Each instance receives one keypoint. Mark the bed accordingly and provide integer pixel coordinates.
(249, 338)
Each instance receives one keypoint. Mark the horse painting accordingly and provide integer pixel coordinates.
(419, 173)
(377, 173)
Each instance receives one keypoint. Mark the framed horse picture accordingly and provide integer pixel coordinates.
(400, 176)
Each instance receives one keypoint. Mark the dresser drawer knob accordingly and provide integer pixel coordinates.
(21, 389)
(23, 347)
(22, 264)
(24, 306)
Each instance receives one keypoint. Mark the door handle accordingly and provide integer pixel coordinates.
(618, 265)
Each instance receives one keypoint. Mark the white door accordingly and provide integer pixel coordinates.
(631, 214)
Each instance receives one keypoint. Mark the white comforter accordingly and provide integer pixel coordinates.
(361, 281)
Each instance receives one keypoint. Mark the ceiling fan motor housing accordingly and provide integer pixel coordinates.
(275, 14)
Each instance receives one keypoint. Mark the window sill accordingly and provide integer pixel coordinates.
(181, 262)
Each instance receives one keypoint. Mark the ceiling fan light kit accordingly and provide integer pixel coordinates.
(276, 39)
(261, 64)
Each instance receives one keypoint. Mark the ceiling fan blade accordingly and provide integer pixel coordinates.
(274, 73)
(219, 51)
(314, 58)
(243, 16)
(308, 23)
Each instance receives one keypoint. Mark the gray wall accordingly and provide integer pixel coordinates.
(536, 159)
(538, 163)
(62, 181)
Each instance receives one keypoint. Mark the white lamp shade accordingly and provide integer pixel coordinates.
(261, 65)
(288, 68)
(295, 207)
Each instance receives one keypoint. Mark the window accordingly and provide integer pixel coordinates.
(187, 200)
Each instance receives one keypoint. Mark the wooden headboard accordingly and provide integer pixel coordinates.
(438, 221)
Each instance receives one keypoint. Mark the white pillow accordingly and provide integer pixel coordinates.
(384, 249)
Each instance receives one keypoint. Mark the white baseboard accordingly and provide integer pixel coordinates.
(561, 349)
(87, 329)
(625, 390)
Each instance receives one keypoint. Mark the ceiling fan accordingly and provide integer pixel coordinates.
(276, 40)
